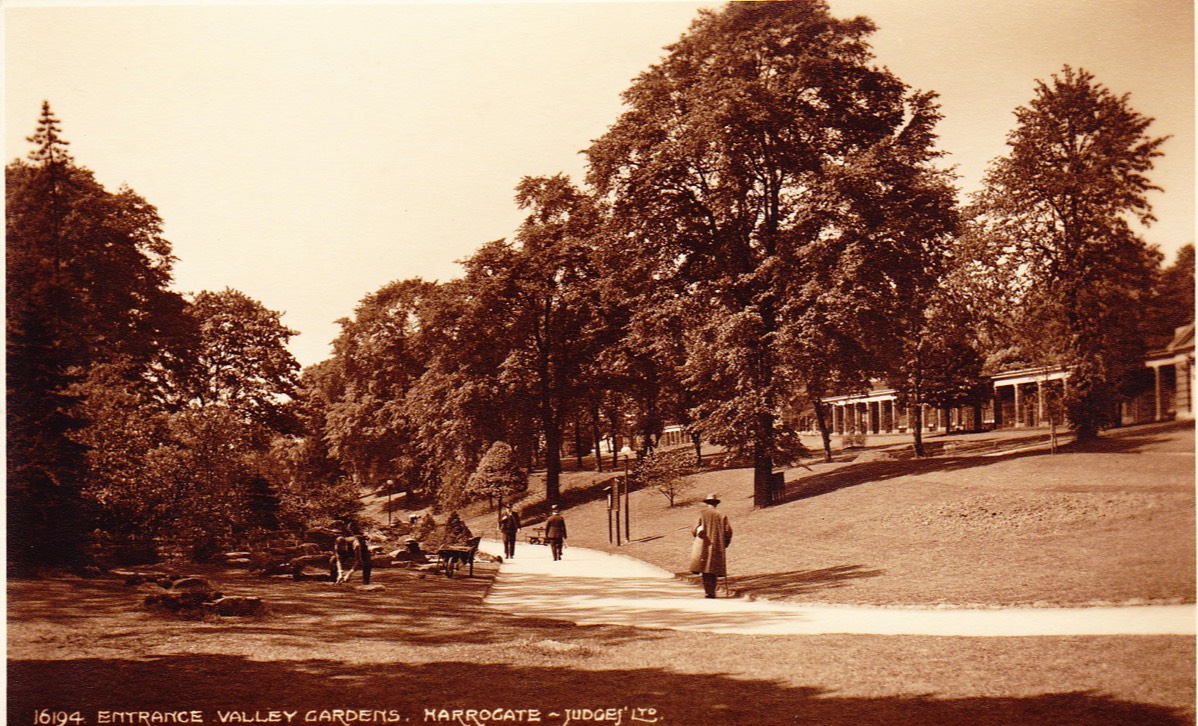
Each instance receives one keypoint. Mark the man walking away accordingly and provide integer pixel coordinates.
(713, 534)
(555, 532)
(509, 525)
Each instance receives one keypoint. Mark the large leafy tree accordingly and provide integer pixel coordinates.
(192, 470)
(87, 276)
(544, 284)
(378, 357)
(767, 171)
(242, 360)
(1058, 211)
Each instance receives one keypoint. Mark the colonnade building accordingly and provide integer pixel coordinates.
(1021, 399)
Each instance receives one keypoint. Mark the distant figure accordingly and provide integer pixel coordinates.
(509, 525)
(350, 552)
(712, 534)
(555, 532)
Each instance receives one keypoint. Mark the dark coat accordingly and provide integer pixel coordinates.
(714, 534)
(510, 524)
(555, 527)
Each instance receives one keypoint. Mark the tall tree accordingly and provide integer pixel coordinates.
(545, 286)
(1059, 209)
(379, 356)
(87, 277)
(765, 164)
(242, 359)
(1173, 295)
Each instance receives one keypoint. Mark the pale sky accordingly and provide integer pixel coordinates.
(309, 154)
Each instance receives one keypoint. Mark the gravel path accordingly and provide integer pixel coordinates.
(589, 587)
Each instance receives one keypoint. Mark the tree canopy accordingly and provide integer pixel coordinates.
(1058, 212)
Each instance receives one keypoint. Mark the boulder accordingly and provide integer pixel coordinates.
(235, 606)
(192, 583)
(137, 577)
(177, 601)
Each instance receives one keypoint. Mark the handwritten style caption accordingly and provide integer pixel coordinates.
(610, 716)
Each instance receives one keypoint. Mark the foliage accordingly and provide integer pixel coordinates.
(544, 286)
(668, 472)
(242, 361)
(497, 474)
(87, 276)
(1057, 211)
(1172, 303)
(425, 527)
(765, 171)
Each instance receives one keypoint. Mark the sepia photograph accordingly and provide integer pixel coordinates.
(600, 362)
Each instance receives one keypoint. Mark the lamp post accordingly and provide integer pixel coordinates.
(625, 454)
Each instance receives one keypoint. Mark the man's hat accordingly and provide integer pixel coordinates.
(712, 499)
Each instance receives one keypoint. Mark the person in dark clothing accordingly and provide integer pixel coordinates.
(713, 534)
(555, 533)
(509, 525)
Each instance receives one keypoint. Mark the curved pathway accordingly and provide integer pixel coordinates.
(589, 587)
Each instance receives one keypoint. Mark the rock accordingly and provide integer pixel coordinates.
(177, 601)
(235, 606)
(137, 577)
(192, 583)
(369, 588)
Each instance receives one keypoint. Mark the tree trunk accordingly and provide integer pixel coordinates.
(917, 429)
(553, 464)
(596, 437)
(763, 462)
(578, 439)
(825, 430)
(697, 442)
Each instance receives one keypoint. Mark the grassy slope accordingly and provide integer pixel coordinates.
(1113, 522)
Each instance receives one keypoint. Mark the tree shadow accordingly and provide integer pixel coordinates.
(800, 582)
(407, 692)
(814, 485)
(412, 608)
(961, 456)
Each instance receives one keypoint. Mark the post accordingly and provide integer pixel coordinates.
(390, 486)
(610, 539)
(627, 505)
(617, 489)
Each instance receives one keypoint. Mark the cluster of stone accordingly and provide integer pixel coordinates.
(189, 595)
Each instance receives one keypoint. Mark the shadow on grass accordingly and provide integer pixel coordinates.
(800, 582)
(212, 683)
(411, 609)
(1125, 441)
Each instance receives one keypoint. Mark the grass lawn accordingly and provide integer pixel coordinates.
(1112, 522)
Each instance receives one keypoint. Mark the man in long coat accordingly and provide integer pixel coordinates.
(712, 535)
(555, 532)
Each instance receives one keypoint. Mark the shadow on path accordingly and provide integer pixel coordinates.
(209, 683)
(800, 582)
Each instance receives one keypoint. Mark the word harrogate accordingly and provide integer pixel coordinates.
(482, 716)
